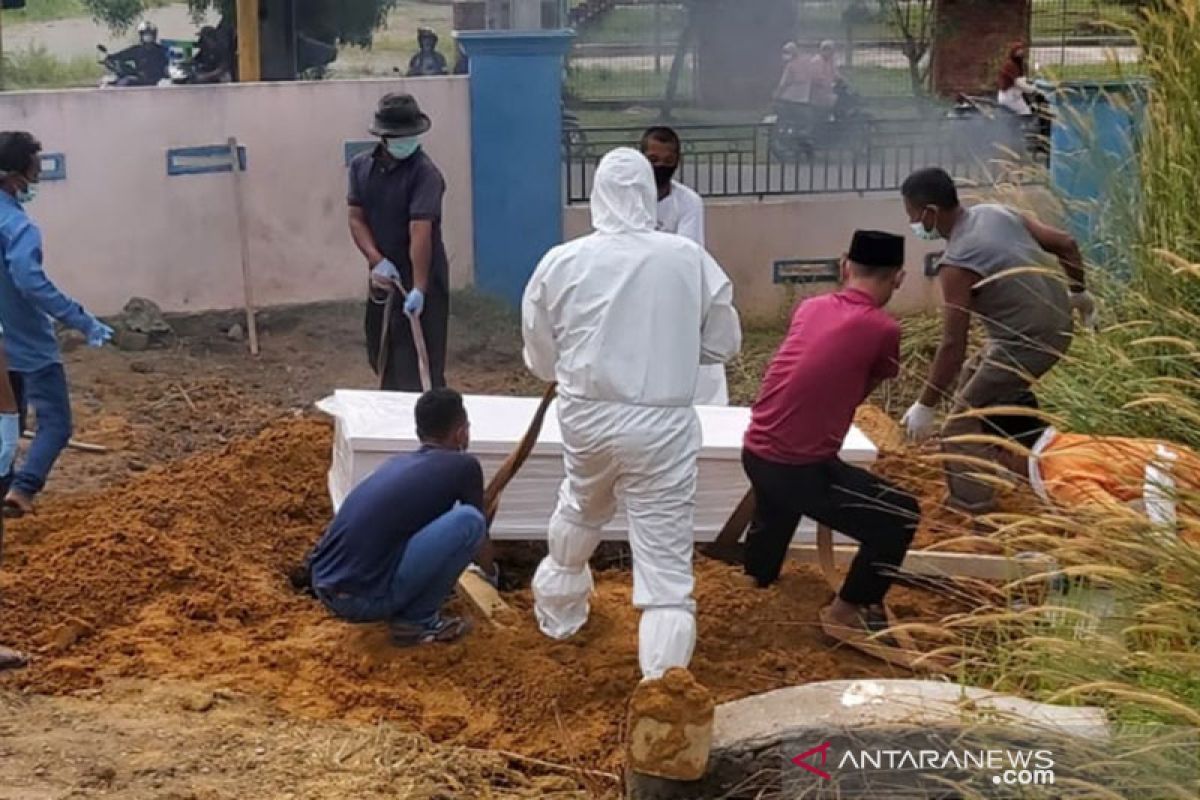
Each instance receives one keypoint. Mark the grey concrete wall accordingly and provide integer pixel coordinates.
(119, 226)
(747, 236)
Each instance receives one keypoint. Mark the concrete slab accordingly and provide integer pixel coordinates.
(756, 739)
(765, 718)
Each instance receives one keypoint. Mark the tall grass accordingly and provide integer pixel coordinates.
(36, 68)
(1127, 635)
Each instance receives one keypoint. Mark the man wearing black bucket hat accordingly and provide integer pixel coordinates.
(838, 348)
(396, 221)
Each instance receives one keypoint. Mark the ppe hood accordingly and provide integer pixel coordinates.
(624, 197)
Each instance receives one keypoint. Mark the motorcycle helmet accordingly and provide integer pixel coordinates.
(147, 31)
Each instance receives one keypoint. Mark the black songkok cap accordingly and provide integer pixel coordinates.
(877, 249)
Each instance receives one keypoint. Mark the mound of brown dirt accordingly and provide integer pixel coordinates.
(181, 573)
(916, 468)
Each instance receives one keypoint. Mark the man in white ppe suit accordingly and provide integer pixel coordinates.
(622, 320)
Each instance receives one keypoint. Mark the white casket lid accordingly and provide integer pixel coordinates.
(376, 421)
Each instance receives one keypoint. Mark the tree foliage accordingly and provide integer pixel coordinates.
(342, 21)
(914, 20)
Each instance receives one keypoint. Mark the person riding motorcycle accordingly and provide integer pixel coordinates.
(792, 94)
(148, 57)
(824, 79)
(1013, 84)
(427, 61)
(213, 62)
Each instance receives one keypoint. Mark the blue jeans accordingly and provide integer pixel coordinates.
(425, 576)
(45, 391)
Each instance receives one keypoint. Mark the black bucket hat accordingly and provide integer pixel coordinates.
(399, 116)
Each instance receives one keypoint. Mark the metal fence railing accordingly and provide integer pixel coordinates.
(624, 53)
(749, 161)
(1085, 39)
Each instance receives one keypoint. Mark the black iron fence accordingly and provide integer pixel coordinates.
(760, 161)
(625, 51)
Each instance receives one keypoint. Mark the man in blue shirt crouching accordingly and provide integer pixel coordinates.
(403, 536)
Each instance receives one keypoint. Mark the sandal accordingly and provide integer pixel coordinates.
(17, 505)
(443, 629)
(873, 621)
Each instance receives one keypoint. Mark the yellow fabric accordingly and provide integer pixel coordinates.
(1078, 469)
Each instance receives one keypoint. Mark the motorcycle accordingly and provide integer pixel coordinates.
(121, 73)
(796, 134)
(990, 125)
(576, 139)
(182, 72)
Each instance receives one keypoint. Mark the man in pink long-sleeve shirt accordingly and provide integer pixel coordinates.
(838, 349)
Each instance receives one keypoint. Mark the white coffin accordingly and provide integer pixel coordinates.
(371, 427)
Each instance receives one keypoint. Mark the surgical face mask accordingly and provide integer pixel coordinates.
(663, 173)
(403, 148)
(925, 234)
(147, 38)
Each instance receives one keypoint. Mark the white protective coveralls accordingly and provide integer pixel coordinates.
(622, 319)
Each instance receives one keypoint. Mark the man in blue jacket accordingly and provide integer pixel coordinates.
(405, 534)
(29, 305)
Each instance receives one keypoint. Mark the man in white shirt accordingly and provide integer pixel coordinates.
(681, 211)
(621, 320)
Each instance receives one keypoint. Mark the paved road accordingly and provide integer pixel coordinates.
(72, 38)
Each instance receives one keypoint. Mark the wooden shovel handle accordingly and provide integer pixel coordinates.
(508, 470)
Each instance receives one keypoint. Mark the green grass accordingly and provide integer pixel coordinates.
(36, 68)
(634, 25)
(603, 83)
(1082, 18)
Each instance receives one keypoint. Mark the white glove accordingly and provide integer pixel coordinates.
(98, 333)
(385, 274)
(1159, 489)
(919, 421)
(1083, 303)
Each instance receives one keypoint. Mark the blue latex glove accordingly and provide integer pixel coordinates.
(10, 434)
(98, 333)
(385, 274)
(415, 302)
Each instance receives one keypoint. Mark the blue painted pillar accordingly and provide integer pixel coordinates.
(1093, 161)
(516, 153)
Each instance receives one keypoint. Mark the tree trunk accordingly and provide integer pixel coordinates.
(681, 52)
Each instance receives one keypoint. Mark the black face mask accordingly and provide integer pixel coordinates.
(664, 173)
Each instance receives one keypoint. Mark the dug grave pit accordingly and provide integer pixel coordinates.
(181, 573)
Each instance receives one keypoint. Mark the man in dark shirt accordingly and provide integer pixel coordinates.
(839, 348)
(396, 221)
(150, 58)
(404, 535)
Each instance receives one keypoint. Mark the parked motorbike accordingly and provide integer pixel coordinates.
(182, 72)
(989, 126)
(798, 129)
(573, 133)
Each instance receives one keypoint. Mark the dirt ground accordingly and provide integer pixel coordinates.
(158, 571)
